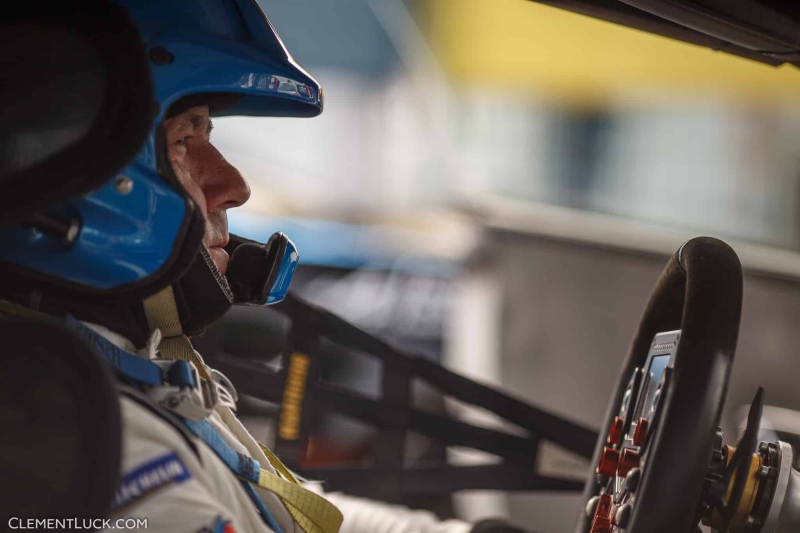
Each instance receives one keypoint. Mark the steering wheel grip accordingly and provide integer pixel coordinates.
(700, 293)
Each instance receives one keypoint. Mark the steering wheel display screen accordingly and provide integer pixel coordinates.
(649, 401)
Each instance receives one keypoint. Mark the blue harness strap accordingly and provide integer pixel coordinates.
(242, 465)
(129, 365)
(247, 468)
(146, 372)
(265, 514)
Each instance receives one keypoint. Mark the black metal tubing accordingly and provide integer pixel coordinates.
(544, 425)
(393, 416)
(268, 386)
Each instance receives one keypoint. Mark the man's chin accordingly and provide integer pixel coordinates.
(220, 258)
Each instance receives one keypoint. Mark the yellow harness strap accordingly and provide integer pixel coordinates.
(278, 465)
(313, 513)
(162, 313)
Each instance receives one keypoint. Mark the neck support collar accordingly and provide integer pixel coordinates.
(258, 274)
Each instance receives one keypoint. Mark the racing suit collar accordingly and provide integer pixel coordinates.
(149, 351)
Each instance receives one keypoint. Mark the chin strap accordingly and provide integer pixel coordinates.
(162, 313)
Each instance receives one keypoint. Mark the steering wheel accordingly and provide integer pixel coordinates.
(652, 480)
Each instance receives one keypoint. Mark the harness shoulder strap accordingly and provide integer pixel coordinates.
(312, 512)
(279, 467)
(171, 419)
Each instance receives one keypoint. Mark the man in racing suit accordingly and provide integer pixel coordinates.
(209, 493)
(195, 467)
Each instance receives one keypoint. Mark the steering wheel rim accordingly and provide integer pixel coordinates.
(700, 293)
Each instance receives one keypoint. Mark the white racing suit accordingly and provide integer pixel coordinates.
(176, 482)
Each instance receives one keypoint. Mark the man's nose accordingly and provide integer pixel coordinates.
(223, 185)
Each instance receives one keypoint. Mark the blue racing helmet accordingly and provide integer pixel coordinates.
(140, 231)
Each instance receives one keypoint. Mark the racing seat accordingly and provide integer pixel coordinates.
(61, 453)
(74, 109)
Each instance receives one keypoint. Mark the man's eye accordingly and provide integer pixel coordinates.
(182, 142)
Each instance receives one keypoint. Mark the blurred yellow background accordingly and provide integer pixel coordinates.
(578, 60)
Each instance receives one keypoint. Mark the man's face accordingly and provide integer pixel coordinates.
(213, 183)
